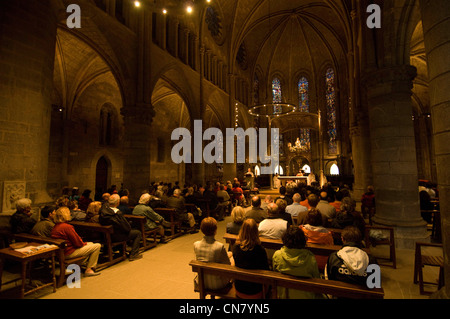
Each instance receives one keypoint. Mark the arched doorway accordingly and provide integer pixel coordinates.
(101, 176)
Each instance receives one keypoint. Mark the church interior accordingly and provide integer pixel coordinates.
(90, 98)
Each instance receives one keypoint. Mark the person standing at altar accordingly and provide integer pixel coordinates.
(276, 181)
(311, 178)
(300, 173)
(249, 178)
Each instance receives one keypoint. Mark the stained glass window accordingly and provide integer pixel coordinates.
(256, 90)
(305, 138)
(213, 21)
(303, 94)
(276, 95)
(303, 106)
(331, 111)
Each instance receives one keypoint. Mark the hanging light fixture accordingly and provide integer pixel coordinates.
(189, 6)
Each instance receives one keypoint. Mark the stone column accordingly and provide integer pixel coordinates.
(360, 137)
(198, 169)
(436, 24)
(138, 117)
(27, 53)
(196, 52)
(359, 131)
(137, 139)
(394, 163)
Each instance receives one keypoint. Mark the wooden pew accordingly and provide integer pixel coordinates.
(139, 222)
(106, 231)
(61, 243)
(389, 241)
(204, 205)
(275, 280)
(321, 251)
(191, 208)
(435, 215)
(169, 215)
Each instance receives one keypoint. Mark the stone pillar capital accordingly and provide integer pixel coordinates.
(141, 113)
(391, 75)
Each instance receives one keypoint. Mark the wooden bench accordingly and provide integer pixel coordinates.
(62, 260)
(428, 259)
(139, 223)
(389, 241)
(435, 216)
(191, 208)
(176, 227)
(320, 251)
(204, 206)
(169, 215)
(106, 231)
(274, 280)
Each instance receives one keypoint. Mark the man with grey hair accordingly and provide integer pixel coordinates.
(111, 215)
(154, 220)
(177, 202)
(21, 221)
(295, 209)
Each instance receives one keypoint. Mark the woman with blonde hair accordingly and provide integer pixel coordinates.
(75, 246)
(249, 254)
(238, 217)
(92, 212)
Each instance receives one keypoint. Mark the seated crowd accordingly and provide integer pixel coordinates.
(299, 215)
(305, 220)
(111, 208)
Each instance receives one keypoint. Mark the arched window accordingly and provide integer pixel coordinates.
(276, 95)
(213, 22)
(303, 95)
(331, 111)
(303, 106)
(279, 170)
(334, 170)
(107, 121)
(257, 171)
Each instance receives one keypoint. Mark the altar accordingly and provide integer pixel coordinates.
(296, 179)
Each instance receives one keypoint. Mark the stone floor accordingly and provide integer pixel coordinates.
(164, 273)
